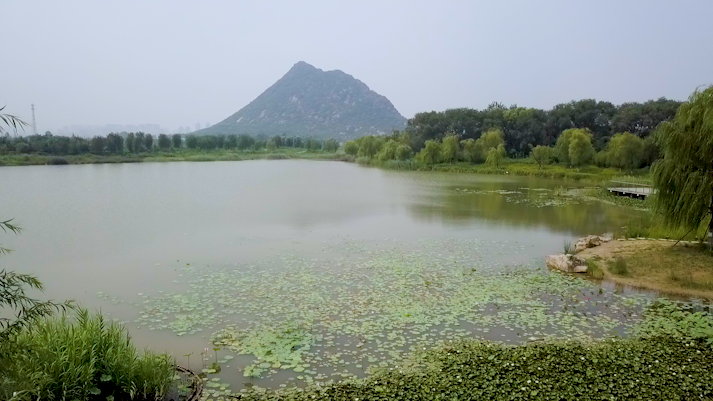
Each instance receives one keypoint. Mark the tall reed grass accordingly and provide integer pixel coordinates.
(83, 357)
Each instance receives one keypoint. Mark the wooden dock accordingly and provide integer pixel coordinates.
(632, 190)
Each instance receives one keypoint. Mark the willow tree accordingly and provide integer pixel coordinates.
(625, 151)
(431, 152)
(449, 148)
(495, 156)
(683, 177)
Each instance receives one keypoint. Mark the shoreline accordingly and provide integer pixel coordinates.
(654, 264)
(518, 167)
(165, 157)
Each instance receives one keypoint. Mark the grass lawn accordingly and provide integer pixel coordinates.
(684, 269)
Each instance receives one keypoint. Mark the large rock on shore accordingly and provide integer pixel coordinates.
(567, 263)
(590, 241)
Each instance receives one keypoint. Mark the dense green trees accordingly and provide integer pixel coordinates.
(139, 142)
(684, 176)
(574, 147)
(542, 155)
(98, 144)
(129, 142)
(523, 128)
(176, 141)
(164, 142)
(313, 144)
(369, 145)
(581, 151)
(114, 144)
(449, 148)
(245, 142)
(495, 156)
(431, 152)
(330, 145)
(148, 142)
(625, 151)
(492, 139)
(351, 148)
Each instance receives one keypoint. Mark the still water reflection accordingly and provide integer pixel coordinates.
(135, 231)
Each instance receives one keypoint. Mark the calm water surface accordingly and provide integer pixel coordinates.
(224, 238)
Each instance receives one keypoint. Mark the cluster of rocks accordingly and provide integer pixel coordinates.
(590, 241)
(574, 264)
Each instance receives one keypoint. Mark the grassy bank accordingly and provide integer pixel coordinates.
(521, 167)
(177, 156)
(82, 358)
(670, 358)
(685, 269)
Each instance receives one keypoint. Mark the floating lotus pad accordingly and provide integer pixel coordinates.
(374, 303)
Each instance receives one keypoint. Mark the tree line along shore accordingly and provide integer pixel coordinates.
(46, 354)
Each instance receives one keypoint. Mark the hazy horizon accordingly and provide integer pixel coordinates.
(177, 64)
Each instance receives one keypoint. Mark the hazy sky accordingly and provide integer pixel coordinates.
(178, 63)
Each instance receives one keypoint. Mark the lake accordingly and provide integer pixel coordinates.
(306, 271)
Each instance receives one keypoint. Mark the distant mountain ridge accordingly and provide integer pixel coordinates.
(310, 102)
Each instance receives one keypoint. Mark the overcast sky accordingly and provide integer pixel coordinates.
(178, 63)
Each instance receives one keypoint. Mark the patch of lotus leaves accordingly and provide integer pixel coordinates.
(371, 304)
(532, 197)
(275, 347)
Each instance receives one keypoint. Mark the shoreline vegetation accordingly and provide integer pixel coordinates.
(178, 156)
(520, 167)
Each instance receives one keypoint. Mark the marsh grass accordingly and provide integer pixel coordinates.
(602, 194)
(568, 247)
(652, 225)
(594, 270)
(84, 357)
(560, 192)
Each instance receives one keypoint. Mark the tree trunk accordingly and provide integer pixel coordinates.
(710, 228)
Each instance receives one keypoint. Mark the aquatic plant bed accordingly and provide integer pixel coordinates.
(366, 305)
(660, 368)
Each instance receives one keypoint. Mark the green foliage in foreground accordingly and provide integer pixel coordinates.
(671, 358)
(86, 358)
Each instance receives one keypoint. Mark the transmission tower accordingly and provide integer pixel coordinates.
(34, 122)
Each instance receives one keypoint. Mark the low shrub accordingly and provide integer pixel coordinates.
(593, 269)
(619, 267)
